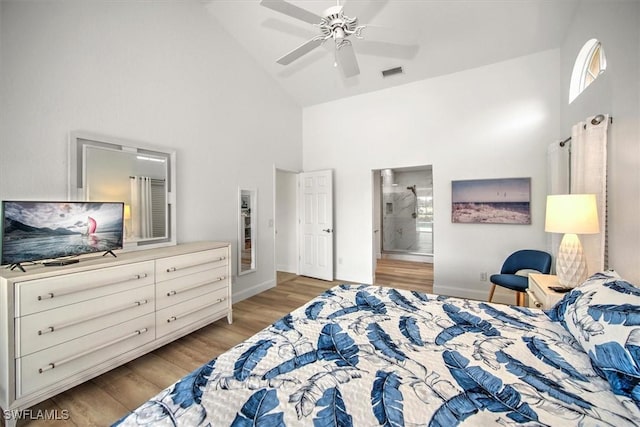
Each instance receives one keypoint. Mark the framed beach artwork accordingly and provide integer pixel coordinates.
(492, 201)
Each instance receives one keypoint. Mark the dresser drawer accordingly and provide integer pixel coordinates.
(48, 328)
(45, 294)
(180, 315)
(55, 364)
(177, 266)
(534, 299)
(540, 296)
(536, 295)
(183, 288)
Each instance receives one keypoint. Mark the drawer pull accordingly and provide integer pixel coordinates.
(173, 269)
(197, 285)
(195, 310)
(47, 296)
(53, 365)
(50, 329)
(63, 292)
(46, 368)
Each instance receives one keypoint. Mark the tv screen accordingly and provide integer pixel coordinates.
(34, 231)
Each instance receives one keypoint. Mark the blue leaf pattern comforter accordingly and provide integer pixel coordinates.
(367, 356)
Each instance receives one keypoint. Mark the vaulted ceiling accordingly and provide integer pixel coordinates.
(443, 37)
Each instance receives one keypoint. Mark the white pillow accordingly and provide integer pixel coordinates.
(603, 315)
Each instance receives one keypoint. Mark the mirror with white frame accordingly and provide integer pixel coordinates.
(142, 176)
(247, 232)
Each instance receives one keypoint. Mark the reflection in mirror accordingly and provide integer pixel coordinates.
(248, 202)
(109, 178)
(106, 169)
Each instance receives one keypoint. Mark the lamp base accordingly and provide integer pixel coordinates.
(571, 264)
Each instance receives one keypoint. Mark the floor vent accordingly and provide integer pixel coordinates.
(392, 71)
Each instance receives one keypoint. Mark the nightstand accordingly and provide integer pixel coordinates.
(540, 296)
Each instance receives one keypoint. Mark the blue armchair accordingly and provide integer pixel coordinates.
(525, 259)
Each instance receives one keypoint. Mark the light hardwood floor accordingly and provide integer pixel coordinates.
(104, 399)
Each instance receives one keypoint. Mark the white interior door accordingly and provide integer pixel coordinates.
(316, 224)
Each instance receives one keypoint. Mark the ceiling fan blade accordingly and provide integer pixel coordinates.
(299, 51)
(292, 10)
(388, 35)
(346, 58)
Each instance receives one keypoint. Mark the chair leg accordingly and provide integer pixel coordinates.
(493, 289)
(520, 299)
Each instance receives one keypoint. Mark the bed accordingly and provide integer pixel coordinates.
(365, 356)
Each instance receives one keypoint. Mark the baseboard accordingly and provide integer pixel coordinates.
(286, 268)
(253, 290)
(408, 257)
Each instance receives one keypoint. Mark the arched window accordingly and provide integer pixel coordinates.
(590, 63)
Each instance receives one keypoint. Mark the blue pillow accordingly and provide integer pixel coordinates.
(603, 315)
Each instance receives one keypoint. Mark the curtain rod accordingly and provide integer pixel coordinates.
(152, 179)
(595, 121)
(563, 143)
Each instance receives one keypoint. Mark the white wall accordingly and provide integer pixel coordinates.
(490, 122)
(162, 73)
(617, 92)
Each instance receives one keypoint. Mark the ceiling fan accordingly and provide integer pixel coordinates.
(334, 24)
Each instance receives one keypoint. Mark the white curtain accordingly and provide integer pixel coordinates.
(141, 208)
(589, 175)
(557, 183)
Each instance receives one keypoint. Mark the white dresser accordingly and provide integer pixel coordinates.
(60, 326)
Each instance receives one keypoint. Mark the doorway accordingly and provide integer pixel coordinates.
(303, 211)
(285, 214)
(405, 220)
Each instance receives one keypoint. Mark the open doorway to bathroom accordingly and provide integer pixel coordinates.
(404, 227)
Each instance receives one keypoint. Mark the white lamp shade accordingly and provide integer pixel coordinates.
(572, 213)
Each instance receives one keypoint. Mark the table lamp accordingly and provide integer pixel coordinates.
(571, 214)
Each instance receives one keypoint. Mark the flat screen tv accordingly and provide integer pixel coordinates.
(37, 231)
